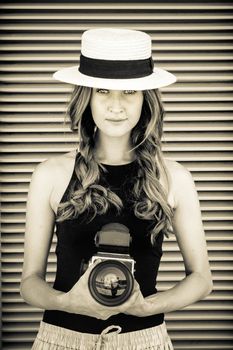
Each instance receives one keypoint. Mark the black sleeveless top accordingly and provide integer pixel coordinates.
(75, 241)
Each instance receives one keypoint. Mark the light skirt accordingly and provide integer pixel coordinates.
(52, 337)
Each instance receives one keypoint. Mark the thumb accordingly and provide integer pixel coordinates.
(96, 262)
(88, 270)
(136, 285)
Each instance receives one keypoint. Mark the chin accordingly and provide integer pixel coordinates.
(116, 134)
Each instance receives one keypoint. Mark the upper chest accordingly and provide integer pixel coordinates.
(64, 172)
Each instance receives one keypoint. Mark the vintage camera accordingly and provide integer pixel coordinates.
(111, 281)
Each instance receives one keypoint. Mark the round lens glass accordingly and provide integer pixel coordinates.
(110, 283)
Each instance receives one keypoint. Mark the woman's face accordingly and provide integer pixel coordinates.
(116, 112)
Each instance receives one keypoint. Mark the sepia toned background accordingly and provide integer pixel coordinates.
(191, 39)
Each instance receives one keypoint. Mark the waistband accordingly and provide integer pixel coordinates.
(109, 339)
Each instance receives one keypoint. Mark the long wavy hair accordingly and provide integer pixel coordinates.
(149, 198)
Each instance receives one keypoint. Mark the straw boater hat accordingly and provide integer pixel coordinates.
(116, 59)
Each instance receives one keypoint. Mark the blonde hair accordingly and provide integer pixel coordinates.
(87, 196)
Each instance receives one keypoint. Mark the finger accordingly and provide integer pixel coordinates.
(136, 286)
(89, 269)
(96, 262)
(134, 298)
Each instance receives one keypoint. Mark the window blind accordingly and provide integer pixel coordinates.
(193, 40)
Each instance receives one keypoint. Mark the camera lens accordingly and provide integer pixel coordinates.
(110, 283)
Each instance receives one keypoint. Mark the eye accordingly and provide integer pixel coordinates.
(102, 91)
(129, 92)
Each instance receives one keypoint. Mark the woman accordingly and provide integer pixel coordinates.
(118, 177)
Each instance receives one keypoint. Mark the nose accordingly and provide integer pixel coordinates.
(115, 104)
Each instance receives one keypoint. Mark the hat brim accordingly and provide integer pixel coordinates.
(159, 78)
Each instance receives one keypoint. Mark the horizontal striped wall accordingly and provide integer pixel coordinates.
(191, 39)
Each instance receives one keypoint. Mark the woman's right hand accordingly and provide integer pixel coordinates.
(79, 300)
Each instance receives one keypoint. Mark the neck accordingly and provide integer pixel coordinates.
(113, 150)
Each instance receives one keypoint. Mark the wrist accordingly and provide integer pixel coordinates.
(155, 304)
(59, 301)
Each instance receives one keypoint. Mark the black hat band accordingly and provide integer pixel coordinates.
(109, 69)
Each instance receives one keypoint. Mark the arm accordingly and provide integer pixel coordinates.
(38, 236)
(188, 228)
(40, 220)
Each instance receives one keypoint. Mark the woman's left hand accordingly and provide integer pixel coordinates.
(140, 306)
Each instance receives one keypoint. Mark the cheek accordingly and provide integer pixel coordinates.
(135, 111)
(97, 111)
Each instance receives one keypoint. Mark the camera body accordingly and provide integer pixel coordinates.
(122, 258)
(111, 281)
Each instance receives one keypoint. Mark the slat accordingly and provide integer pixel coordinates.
(208, 87)
(194, 167)
(113, 6)
(159, 36)
(190, 26)
(178, 139)
(52, 57)
(227, 15)
(168, 246)
(167, 97)
(172, 131)
(35, 155)
(70, 47)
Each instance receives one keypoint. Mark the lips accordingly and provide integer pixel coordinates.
(115, 120)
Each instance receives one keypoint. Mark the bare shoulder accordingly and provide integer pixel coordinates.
(53, 170)
(53, 175)
(61, 159)
(180, 178)
(55, 164)
(176, 169)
